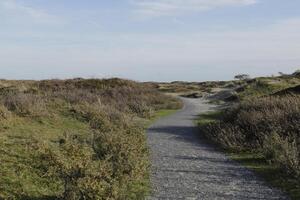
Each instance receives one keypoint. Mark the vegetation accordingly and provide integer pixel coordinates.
(83, 139)
(191, 89)
(242, 77)
(76, 139)
(266, 86)
(264, 134)
(233, 91)
(262, 129)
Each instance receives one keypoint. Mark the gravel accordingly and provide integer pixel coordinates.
(186, 167)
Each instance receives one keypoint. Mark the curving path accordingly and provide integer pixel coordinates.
(184, 167)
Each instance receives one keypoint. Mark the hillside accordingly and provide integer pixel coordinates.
(76, 139)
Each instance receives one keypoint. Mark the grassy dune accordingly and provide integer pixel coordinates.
(76, 139)
(240, 89)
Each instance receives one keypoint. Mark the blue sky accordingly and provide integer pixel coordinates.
(148, 40)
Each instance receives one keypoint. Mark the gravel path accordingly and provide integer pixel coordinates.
(184, 167)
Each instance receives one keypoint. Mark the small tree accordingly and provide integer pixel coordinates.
(297, 73)
(242, 77)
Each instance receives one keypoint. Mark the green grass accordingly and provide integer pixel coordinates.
(208, 117)
(268, 85)
(159, 114)
(270, 172)
(163, 113)
(46, 128)
(257, 163)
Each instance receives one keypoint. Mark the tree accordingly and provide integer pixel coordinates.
(242, 77)
(297, 73)
(282, 74)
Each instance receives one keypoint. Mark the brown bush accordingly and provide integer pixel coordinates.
(25, 104)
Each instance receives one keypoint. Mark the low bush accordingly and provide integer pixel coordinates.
(24, 104)
(4, 113)
(270, 125)
(283, 151)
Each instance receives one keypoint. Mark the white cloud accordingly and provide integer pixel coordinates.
(14, 12)
(156, 8)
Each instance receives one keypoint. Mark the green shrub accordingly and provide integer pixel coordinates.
(284, 152)
(74, 164)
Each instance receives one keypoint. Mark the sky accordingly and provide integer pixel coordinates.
(148, 40)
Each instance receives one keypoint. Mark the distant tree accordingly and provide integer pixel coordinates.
(297, 73)
(282, 74)
(242, 77)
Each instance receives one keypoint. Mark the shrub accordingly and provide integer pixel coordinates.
(270, 125)
(83, 176)
(110, 161)
(25, 104)
(242, 76)
(284, 152)
(4, 113)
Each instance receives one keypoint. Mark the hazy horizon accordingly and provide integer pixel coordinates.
(158, 79)
(144, 40)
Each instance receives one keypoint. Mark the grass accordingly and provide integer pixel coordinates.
(256, 162)
(46, 128)
(163, 113)
(157, 115)
(267, 85)
(260, 88)
(208, 117)
(269, 172)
